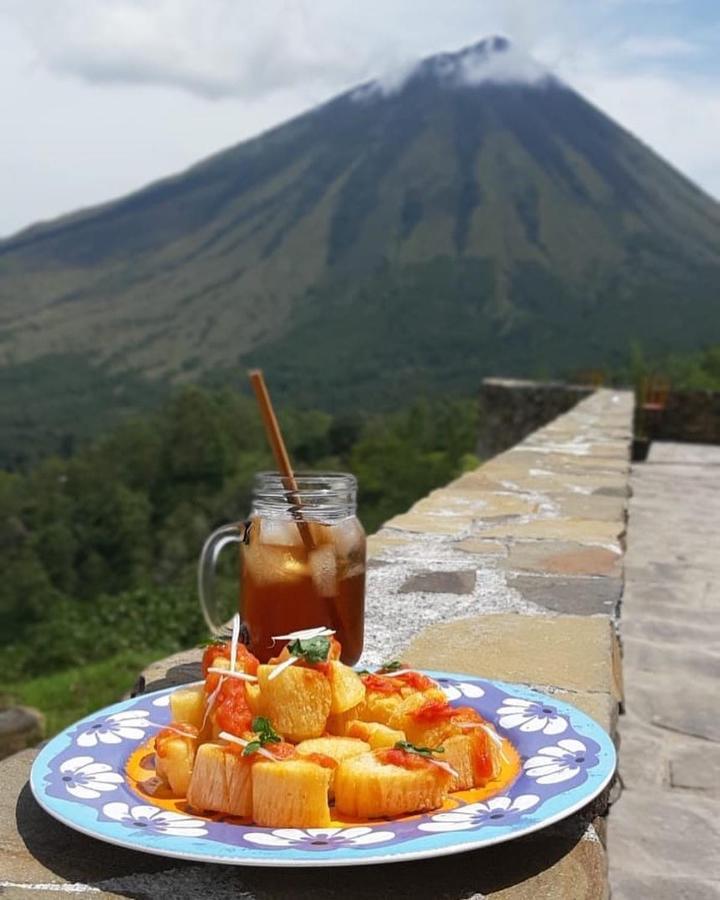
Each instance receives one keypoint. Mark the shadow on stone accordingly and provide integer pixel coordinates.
(80, 859)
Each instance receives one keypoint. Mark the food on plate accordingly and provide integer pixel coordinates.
(376, 734)
(284, 743)
(221, 781)
(390, 782)
(334, 748)
(175, 749)
(188, 705)
(292, 793)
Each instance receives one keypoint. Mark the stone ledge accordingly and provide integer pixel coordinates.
(571, 653)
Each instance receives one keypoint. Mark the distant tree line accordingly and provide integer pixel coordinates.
(99, 549)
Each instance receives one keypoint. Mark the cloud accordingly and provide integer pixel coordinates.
(213, 48)
(494, 59)
(234, 48)
(658, 47)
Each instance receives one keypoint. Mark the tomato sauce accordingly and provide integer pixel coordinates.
(320, 759)
(393, 756)
(381, 684)
(232, 712)
(415, 680)
(482, 759)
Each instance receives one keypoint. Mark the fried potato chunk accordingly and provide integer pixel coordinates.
(371, 787)
(221, 781)
(297, 701)
(292, 793)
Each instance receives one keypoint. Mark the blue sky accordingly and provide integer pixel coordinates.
(102, 96)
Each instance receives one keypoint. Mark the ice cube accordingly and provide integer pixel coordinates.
(268, 565)
(348, 537)
(323, 570)
(280, 532)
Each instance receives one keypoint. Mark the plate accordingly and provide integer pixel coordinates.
(90, 778)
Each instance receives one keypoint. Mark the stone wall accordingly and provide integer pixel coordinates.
(512, 409)
(688, 416)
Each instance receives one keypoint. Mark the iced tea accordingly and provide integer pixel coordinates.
(292, 581)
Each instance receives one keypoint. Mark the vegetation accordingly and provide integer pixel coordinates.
(99, 550)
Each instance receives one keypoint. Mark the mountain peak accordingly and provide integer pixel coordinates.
(492, 59)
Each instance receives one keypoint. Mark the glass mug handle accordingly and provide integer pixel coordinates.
(237, 533)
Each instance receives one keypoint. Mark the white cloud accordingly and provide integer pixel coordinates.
(662, 47)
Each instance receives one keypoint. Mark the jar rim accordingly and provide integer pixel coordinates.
(330, 478)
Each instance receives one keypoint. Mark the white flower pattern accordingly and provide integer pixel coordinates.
(463, 689)
(129, 725)
(86, 779)
(530, 715)
(321, 838)
(495, 811)
(162, 701)
(551, 765)
(156, 820)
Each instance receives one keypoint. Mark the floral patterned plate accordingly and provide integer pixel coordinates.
(87, 777)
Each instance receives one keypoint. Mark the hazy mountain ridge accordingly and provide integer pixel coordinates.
(507, 224)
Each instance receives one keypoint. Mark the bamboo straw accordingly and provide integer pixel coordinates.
(282, 459)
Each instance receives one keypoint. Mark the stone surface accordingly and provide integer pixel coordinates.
(590, 506)
(180, 668)
(485, 506)
(481, 547)
(462, 582)
(432, 524)
(664, 834)
(587, 531)
(20, 727)
(564, 558)
(695, 767)
(569, 652)
(589, 596)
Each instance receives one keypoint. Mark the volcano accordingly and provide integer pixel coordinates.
(473, 215)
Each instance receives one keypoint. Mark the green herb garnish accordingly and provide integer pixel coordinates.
(311, 650)
(266, 734)
(419, 751)
(212, 642)
(393, 666)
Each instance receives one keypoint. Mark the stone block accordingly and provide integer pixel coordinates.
(695, 765)
(684, 834)
(575, 653)
(631, 886)
(461, 582)
(590, 506)
(383, 541)
(582, 531)
(580, 595)
(564, 558)
(20, 727)
(481, 547)
(180, 668)
(431, 524)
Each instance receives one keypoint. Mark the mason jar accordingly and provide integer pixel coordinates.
(302, 562)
